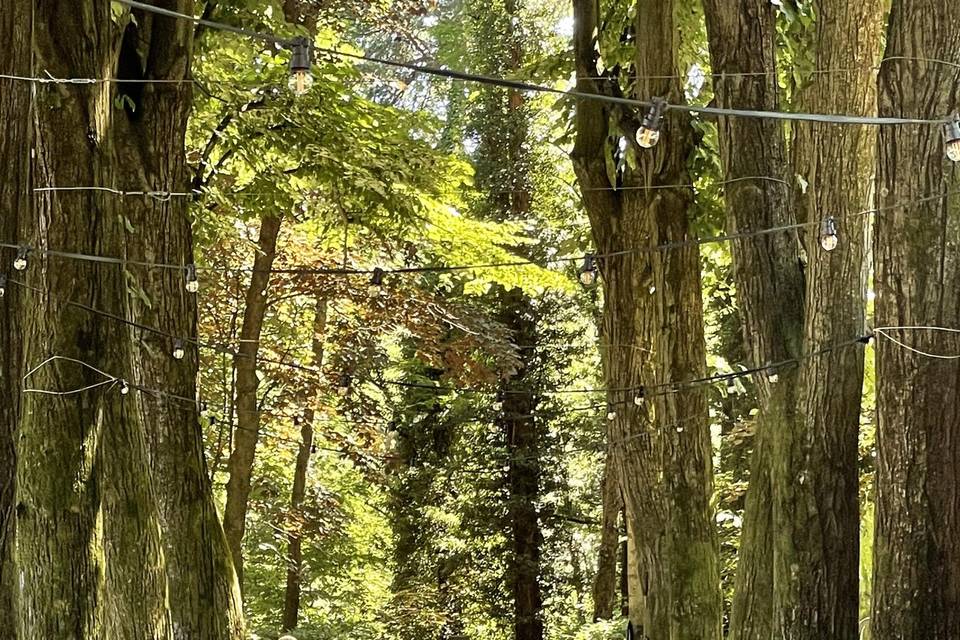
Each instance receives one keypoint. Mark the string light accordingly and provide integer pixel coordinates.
(20, 263)
(193, 284)
(124, 388)
(649, 132)
(301, 60)
(3, 284)
(639, 398)
(828, 234)
(179, 352)
(588, 271)
(376, 283)
(951, 136)
(611, 416)
(498, 406)
(344, 387)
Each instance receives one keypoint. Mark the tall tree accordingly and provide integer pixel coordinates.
(651, 302)
(916, 591)
(767, 271)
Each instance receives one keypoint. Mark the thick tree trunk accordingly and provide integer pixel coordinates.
(247, 432)
(517, 421)
(605, 581)
(815, 474)
(769, 280)
(88, 547)
(652, 301)
(16, 112)
(203, 592)
(291, 600)
(916, 593)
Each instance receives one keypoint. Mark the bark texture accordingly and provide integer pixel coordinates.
(815, 470)
(247, 432)
(16, 112)
(652, 302)
(767, 271)
(916, 593)
(291, 600)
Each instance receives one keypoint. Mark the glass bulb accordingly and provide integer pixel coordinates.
(178, 351)
(301, 80)
(588, 278)
(829, 242)
(647, 138)
(498, 406)
(20, 263)
(3, 284)
(612, 416)
(953, 150)
(192, 286)
(638, 400)
(124, 387)
(373, 291)
(343, 391)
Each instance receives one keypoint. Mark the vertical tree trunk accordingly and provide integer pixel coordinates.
(815, 476)
(767, 272)
(204, 598)
(291, 600)
(605, 582)
(88, 549)
(16, 112)
(652, 301)
(916, 592)
(247, 432)
(517, 420)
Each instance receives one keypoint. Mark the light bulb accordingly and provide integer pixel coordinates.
(588, 271)
(124, 388)
(3, 284)
(951, 137)
(301, 59)
(376, 283)
(612, 416)
(498, 406)
(638, 400)
(648, 135)
(344, 387)
(828, 234)
(192, 285)
(178, 350)
(20, 263)
(773, 377)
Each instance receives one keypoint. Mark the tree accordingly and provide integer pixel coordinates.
(651, 302)
(916, 561)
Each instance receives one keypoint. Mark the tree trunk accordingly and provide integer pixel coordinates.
(203, 592)
(291, 600)
(652, 302)
(815, 474)
(916, 593)
(767, 272)
(88, 548)
(519, 425)
(247, 432)
(605, 582)
(17, 113)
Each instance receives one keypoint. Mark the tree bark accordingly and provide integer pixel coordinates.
(652, 301)
(767, 273)
(16, 111)
(247, 432)
(203, 592)
(916, 592)
(605, 581)
(291, 600)
(88, 546)
(815, 473)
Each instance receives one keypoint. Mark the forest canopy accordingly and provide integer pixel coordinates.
(479, 320)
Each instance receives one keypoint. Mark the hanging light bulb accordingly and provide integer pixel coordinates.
(951, 137)
(193, 284)
(3, 284)
(20, 263)
(301, 59)
(589, 271)
(498, 406)
(344, 388)
(649, 132)
(828, 234)
(611, 416)
(376, 283)
(124, 388)
(640, 397)
(179, 352)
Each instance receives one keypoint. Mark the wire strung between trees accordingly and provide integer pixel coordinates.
(693, 242)
(526, 86)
